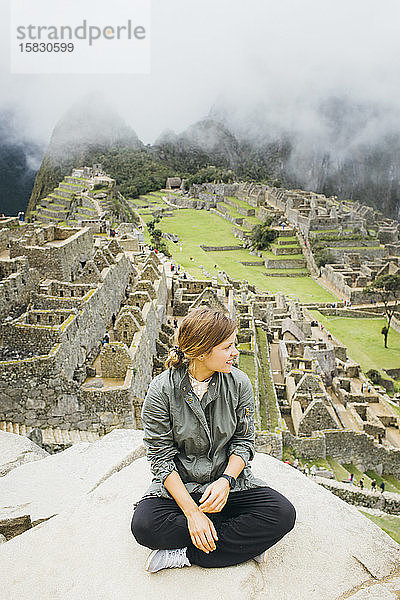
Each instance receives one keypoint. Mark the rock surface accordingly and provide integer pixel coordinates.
(48, 486)
(87, 550)
(15, 450)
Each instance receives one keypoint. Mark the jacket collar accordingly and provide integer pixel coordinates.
(184, 381)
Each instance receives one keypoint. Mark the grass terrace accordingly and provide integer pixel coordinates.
(230, 210)
(268, 410)
(364, 340)
(246, 364)
(195, 227)
(390, 524)
(241, 203)
(253, 220)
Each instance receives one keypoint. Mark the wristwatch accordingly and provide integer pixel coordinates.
(231, 480)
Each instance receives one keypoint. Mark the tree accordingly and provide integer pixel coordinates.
(262, 236)
(385, 333)
(387, 290)
(323, 257)
(156, 238)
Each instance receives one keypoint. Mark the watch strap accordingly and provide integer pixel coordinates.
(230, 479)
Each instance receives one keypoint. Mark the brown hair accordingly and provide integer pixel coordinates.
(198, 333)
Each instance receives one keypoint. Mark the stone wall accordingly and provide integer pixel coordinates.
(362, 450)
(280, 250)
(115, 360)
(369, 253)
(386, 501)
(269, 443)
(187, 202)
(240, 234)
(228, 217)
(310, 447)
(217, 189)
(6, 222)
(143, 348)
(219, 248)
(291, 263)
(61, 261)
(25, 338)
(346, 446)
(5, 236)
(105, 409)
(41, 391)
(17, 282)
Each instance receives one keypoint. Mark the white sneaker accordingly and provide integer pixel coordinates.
(167, 559)
(262, 558)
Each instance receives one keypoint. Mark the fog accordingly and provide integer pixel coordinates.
(268, 65)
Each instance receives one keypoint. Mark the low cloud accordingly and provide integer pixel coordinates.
(270, 66)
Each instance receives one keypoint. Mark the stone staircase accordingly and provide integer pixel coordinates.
(52, 437)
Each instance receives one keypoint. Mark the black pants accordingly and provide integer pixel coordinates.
(250, 522)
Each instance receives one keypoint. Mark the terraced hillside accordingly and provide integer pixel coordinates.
(215, 229)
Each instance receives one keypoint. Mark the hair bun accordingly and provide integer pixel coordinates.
(178, 352)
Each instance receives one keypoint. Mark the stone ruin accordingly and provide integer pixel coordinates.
(62, 290)
(67, 287)
(310, 372)
(86, 198)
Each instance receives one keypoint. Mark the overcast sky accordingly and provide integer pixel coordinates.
(281, 55)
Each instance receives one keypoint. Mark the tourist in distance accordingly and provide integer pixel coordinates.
(204, 506)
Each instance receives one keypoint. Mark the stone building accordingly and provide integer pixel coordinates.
(68, 284)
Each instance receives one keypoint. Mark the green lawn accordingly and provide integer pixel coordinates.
(389, 524)
(246, 364)
(391, 483)
(241, 203)
(339, 471)
(358, 475)
(364, 340)
(195, 227)
(253, 220)
(283, 240)
(303, 288)
(232, 211)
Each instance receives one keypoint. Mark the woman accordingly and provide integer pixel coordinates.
(204, 506)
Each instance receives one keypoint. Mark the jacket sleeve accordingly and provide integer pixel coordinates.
(158, 435)
(242, 441)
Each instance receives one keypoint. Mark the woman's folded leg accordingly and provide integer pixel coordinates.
(159, 523)
(251, 522)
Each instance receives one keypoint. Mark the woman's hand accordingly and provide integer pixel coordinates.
(215, 496)
(202, 531)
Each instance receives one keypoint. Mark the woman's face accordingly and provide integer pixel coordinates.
(220, 357)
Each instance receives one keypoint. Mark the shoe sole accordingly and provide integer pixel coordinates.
(264, 561)
(148, 561)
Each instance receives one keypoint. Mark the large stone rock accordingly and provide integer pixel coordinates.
(87, 551)
(44, 488)
(15, 450)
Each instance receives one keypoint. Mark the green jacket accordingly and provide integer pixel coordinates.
(181, 435)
